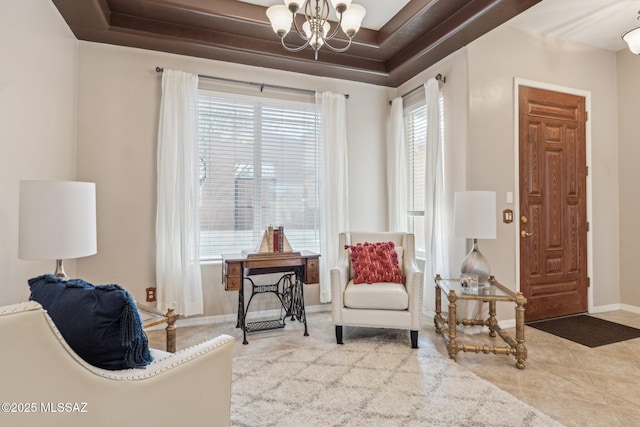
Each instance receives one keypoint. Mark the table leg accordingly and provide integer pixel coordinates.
(452, 347)
(171, 330)
(521, 350)
(492, 318)
(300, 285)
(438, 320)
(241, 314)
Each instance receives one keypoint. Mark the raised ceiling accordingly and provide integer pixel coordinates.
(416, 37)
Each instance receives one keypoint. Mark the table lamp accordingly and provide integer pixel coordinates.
(475, 218)
(57, 221)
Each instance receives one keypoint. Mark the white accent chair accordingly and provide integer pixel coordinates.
(46, 383)
(380, 305)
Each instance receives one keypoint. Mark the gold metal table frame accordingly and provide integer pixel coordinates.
(492, 293)
(152, 317)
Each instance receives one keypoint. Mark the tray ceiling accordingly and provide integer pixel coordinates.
(416, 37)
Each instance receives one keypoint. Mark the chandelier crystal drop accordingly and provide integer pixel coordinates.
(316, 30)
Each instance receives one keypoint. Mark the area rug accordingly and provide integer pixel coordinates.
(369, 382)
(587, 330)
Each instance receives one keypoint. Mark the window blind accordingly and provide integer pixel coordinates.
(259, 161)
(415, 126)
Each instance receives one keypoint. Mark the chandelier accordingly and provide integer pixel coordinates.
(316, 30)
(633, 39)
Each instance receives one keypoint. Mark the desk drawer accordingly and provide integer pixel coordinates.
(232, 283)
(312, 271)
(232, 276)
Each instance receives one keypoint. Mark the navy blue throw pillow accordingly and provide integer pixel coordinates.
(100, 323)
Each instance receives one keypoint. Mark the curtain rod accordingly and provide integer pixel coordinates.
(262, 86)
(438, 77)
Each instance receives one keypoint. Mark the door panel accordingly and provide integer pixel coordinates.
(553, 223)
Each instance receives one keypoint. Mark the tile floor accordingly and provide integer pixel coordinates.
(576, 385)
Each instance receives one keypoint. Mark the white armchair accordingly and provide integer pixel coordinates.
(381, 305)
(44, 382)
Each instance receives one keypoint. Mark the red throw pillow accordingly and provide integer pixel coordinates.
(375, 263)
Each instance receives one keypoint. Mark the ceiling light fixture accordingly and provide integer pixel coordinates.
(633, 39)
(316, 30)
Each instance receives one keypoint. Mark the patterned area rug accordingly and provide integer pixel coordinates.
(369, 382)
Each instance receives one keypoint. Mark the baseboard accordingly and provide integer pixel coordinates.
(630, 308)
(224, 318)
(605, 308)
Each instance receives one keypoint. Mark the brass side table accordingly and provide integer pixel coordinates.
(492, 293)
(152, 317)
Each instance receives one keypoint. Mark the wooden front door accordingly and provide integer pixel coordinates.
(553, 213)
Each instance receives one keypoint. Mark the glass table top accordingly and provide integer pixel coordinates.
(491, 289)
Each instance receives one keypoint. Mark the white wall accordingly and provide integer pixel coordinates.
(494, 61)
(629, 175)
(38, 53)
(119, 94)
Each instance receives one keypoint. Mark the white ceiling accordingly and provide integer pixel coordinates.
(379, 12)
(598, 23)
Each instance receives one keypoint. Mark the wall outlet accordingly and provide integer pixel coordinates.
(151, 294)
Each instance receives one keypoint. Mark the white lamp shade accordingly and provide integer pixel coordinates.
(352, 19)
(57, 220)
(474, 214)
(280, 19)
(633, 40)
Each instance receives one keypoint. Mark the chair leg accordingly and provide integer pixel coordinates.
(414, 339)
(339, 334)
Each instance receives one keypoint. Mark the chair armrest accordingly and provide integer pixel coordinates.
(339, 280)
(169, 360)
(415, 289)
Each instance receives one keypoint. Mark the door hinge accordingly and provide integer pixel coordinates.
(588, 282)
(586, 168)
(586, 116)
(588, 226)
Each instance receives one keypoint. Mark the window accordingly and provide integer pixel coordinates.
(415, 127)
(259, 167)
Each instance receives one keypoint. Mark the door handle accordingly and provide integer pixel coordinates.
(525, 234)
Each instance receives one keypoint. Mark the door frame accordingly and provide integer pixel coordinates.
(516, 199)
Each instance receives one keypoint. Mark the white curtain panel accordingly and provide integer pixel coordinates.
(178, 276)
(436, 213)
(334, 201)
(397, 176)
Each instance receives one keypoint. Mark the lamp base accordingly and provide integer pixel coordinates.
(476, 263)
(60, 270)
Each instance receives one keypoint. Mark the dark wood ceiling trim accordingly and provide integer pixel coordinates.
(461, 28)
(219, 40)
(421, 34)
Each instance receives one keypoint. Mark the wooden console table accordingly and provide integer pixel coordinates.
(492, 293)
(298, 268)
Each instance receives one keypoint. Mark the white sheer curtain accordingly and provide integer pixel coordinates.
(178, 275)
(435, 210)
(334, 201)
(397, 176)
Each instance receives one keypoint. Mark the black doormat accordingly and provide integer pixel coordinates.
(587, 330)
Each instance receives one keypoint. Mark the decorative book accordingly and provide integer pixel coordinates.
(273, 241)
